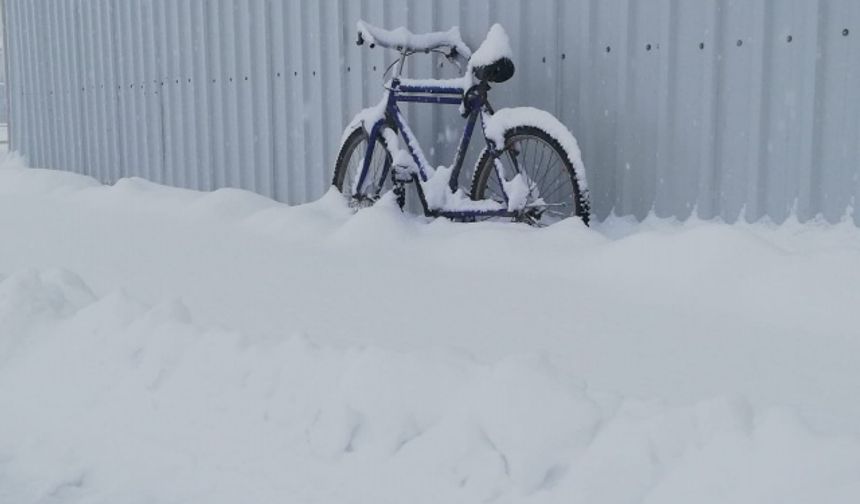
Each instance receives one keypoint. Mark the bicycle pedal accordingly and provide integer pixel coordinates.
(401, 175)
(361, 202)
(400, 195)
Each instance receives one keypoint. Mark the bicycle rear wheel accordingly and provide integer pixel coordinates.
(349, 163)
(545, 164)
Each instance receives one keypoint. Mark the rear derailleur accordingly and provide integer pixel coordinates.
(531, 216)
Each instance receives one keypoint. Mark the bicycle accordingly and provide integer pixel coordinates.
(530, 169)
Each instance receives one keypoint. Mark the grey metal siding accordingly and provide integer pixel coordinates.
(729, 108)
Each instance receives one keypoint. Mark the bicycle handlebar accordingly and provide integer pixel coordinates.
(448, 43)
(452, 54)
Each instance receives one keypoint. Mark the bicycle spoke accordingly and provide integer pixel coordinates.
(539, 163)
(525, 156)
(548, 169)
(545, 171)
(557, 186)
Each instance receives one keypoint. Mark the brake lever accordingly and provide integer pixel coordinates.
(454, 57)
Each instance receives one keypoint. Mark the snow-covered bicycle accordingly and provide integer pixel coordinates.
(530, 170)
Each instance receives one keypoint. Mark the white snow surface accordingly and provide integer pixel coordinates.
(517, 191)
(165, 345)
(401, 37)
(459, 84)
(439, 195)
(495, 46)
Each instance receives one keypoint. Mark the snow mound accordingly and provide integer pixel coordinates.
(19, 178)
(111, 400)
(379, 356)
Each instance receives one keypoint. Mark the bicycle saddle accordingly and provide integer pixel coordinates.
(499, 70)
(492, 61)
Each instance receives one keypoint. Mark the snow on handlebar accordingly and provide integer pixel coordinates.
(402, 39)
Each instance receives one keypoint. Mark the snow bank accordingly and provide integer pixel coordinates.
(335, 356)
(110, 400)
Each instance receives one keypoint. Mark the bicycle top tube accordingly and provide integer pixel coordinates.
(442, 91)
(434, 86)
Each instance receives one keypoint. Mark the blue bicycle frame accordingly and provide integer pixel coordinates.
(475, 104)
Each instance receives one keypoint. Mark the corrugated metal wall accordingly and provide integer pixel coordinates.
(728, 106)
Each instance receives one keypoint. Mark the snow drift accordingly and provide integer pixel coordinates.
(106, 399)
(655, 363)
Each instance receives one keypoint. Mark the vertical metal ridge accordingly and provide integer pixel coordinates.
(215, 79)
(666, 163)
(29, 87)
(307, 92)
(280, 129)
(261, 94)
(54, 94)
(42, 89)
(246, 163)
(24, 113)
(295, 101)
(267, 120)
(6, 95)
(558, 24)
(112, 93)
(100, 77)
(815, 185)
(758, 200)
(187, 165)
(317, 77)
(329, 73)
(37, 100)
(709, 192)
(231, 158)
(75, 87)
(92, 104)
(155, 122)
(172, 94)
(622, 91)
(122, 77)
(626, 80)
(90, 109)
(201, 89)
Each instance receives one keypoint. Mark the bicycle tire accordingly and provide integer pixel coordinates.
(349, 162)
(573, 195)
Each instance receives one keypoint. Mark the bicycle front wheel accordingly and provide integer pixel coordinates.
(548, 169)
(349, 163)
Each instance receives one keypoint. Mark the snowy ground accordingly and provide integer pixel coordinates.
(162, 345)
